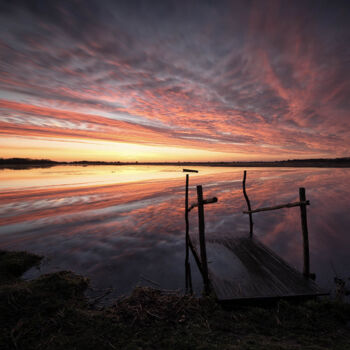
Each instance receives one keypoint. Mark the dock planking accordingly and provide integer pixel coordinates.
(244, 268)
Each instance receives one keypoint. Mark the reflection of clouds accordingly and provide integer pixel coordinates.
(127, 230)
(20, 207)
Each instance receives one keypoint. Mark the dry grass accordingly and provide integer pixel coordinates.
(52, 312)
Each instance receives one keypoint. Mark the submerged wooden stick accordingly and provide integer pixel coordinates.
(203, 249)
(288, 205)
(188, 277)
(196, 257)
(303, 216)
(186, 236)
(248, 205)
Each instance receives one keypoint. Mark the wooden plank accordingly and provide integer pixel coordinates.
(243, 268)
(189, 171)
(205, 201)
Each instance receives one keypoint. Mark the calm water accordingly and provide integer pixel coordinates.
(122, 226)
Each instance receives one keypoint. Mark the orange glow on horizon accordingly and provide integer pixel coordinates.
(249, 87)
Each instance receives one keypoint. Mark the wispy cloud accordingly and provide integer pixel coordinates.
(268, 79)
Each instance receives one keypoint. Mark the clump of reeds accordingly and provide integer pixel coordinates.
(52, 312)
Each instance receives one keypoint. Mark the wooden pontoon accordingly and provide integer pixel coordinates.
(243, 268)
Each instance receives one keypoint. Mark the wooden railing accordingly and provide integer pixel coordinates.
(303, 203)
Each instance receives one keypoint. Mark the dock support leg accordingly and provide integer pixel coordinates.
(188, 277)
(203, 249)
(302, 196)
(248, 205)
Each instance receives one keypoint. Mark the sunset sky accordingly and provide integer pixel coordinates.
(174, 80)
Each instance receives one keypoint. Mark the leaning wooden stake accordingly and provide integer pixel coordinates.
(203, 251)
(188, 282)
(248, 205)
(302, 197)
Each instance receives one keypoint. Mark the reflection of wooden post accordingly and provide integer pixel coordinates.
(188, 282)
(302, 198)
(248, 205)
(203, 250)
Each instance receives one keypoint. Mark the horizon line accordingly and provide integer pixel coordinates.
(171, 162)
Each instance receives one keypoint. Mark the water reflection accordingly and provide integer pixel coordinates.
(116, 224)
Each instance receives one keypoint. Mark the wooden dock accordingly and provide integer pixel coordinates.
(244, 268)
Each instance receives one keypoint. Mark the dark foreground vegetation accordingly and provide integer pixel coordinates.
(51, 312)
(26, 163)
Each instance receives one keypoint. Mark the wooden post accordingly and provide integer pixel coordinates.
(188, 277)
(203, 249)
(302, 196)
(248, 205)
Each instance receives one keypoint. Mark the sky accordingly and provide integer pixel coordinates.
(174, 80)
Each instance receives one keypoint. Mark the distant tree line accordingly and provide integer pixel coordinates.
(22, 163)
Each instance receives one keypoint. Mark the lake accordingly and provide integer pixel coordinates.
(123, 226)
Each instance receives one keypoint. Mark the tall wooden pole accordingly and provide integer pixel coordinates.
(303, 216)
(203, 249)
(248, 205)
(188, 277)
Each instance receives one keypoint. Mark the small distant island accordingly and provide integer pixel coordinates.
(26, 163)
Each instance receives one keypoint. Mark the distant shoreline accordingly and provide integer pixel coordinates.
(24, 163)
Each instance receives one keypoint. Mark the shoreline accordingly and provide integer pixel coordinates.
(52, 312)
(21, 163)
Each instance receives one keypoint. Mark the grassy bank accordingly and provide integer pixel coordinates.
(51, 312)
